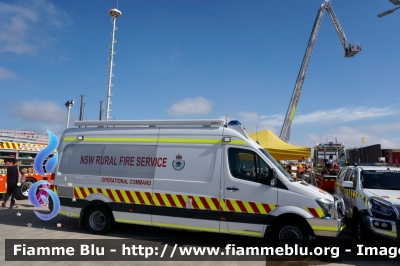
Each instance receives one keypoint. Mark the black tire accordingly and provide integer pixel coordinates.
(23, 193)
(361, 232)
(99, 220)
(291, 233)
(51, 204)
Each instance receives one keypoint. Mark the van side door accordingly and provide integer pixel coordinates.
(186, 190)
(249, 198)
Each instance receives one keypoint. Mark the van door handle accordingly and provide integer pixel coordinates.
(232, 188)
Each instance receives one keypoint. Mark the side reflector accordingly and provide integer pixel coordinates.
(227, 139)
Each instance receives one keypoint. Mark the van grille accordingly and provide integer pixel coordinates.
(65, 192)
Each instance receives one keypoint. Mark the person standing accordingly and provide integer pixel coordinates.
(13, 176)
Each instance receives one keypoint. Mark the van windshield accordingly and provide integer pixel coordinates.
(277, 165)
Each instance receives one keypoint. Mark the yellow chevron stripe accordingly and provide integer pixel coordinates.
(115, 195)
(211, 204)
(135, 198)
(95, 190)
(104, 191)
(78, 191)
(146, 200)
(261, 208)
(87, 192)
(155, 200)
(165, 199)
(235, 205)
(123, 193)
(272, 207)
(222, 204)
(248, 207)
(176, 200)
(320, 212)
(199, 203)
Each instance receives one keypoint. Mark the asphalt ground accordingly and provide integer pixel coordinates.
(13, 226)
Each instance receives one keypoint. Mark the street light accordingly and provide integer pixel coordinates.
(394, 2)
(68, 104)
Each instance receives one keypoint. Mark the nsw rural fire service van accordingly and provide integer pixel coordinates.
(195, 175)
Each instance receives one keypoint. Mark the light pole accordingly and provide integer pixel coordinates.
(394, 2)
(68, 104)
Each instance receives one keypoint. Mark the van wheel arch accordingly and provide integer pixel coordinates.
(89, 206)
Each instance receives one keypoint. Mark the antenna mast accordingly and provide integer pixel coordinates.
(114, 13)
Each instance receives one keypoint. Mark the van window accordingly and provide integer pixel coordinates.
(247, 165)
(78, 159)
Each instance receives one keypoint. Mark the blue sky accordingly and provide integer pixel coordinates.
(203, 59)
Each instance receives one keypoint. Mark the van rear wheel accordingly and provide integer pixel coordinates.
(24, 189)
(291, 233)
(99, 220)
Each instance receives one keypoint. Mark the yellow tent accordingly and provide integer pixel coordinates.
(279, 149)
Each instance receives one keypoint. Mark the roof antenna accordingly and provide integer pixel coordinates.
(226, 120)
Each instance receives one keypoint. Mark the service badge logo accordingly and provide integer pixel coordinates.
(178, 164)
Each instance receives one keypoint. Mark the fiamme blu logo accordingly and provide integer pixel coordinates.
(50, 165)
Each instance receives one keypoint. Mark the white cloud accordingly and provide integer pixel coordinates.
(6, 74)
(351, 137)
(191, 106)
(44, 112)
(341, 115)
(26, 26)
(335, 116)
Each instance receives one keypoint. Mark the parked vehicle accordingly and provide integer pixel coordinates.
(328, 159)
(193, 175)
(371, 193)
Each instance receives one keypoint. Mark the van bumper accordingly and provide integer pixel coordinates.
(391, 230)
(327, 227)
(333, 223)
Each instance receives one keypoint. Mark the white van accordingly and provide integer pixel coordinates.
(195, 175)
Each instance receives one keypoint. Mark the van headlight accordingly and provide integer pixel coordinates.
(380, 206)
(325, 204)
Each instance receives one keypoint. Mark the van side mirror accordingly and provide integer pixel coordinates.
(271, 178)
(348, 184)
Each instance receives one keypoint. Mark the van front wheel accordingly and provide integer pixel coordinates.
(99, 220)
(291, 233)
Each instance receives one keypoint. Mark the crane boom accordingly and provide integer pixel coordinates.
(349, 51)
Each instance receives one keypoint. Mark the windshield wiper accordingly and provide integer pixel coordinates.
(394, 188)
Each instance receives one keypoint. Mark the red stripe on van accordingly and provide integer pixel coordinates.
(90, 190)
(229, 205)
(128, 193)
(194, 203)
(171, 200)
(149, 197)
(76, 193)
(216, 203)
(241, 206)
(160, 199)
(139, 196)
(205, 203)
(110, 195)
(254, 207)
(266, 207)
(83, 193)
(121, 198)
(313, 212)
(181, 200)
